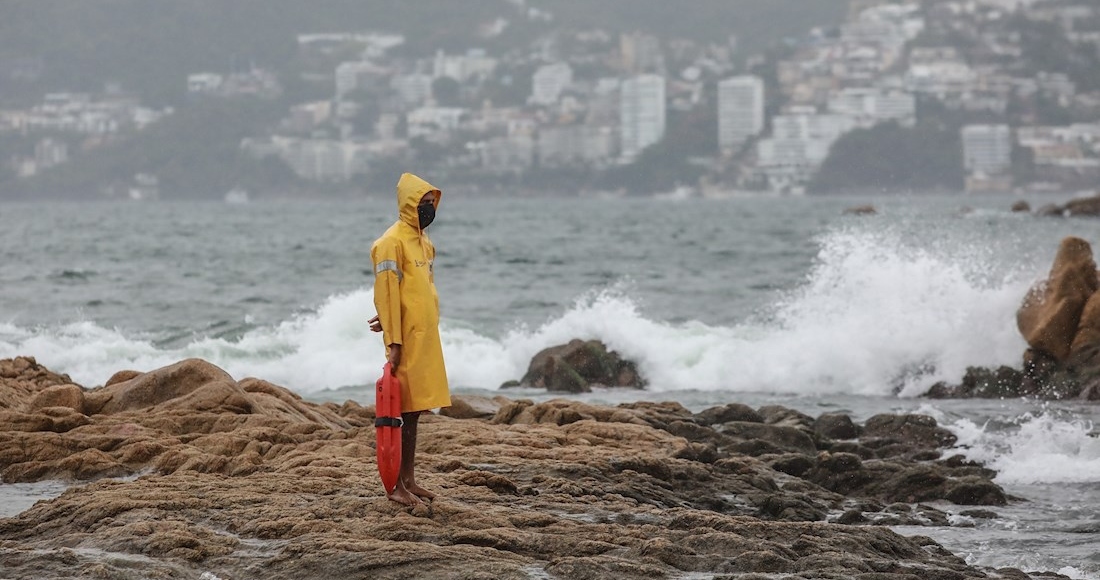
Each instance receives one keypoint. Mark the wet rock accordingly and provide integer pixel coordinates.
(497, 483)
(508, 412)
(836, 426)
(851, 517)
(911, 429)
(701, 452)
(577, 366)
(791, 509)
(914, 484)
(1080, 207)
(148, 389)
(839, 472)
(121, 377)
(975, 491)
(1014, 574)
(659, 415)
(779, 415)
(1086, 340)
(1083, 206)
(982, 383)
(1051, 311)
(793, 464)
(852, 447)
(979, 514)
(473, 407)
(23, 377)
(861, 210)
(1050, 210)
(68, 396)
(765, 561)
(1021, 206)
(1060, 320)
(728, 413)
(755, 448)
(781, 436)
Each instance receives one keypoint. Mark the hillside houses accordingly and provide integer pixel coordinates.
(586, 102)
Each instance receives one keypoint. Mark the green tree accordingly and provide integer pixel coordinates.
(658, 168)
(369, 110)
(509, 86)
(892, 158)
(427, 152)
(447, 92)
(1023, 164)
(1046, 49)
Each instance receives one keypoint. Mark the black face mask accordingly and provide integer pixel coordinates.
(426, 213)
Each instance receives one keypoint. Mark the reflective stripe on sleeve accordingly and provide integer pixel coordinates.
(390, 265)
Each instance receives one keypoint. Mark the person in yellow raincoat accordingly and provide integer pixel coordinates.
(408, 317)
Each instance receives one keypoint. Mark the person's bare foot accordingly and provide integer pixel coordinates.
(403, 496)
(419, 491)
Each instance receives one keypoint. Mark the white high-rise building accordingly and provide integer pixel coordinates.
(641, 113)
(323, 159)
(475, 63)
(575, 145)
(987, 149)
(740, 110)
(350, 75)
(414, 89)
(549, 81)
(870, 106)
(799, 144)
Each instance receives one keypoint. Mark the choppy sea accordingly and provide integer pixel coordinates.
(759, 300)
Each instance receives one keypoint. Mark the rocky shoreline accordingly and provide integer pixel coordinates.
(184, 472)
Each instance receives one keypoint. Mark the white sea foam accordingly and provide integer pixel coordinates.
(1040, 448)
(872, 318)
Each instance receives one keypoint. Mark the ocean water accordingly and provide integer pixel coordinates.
(760, 300)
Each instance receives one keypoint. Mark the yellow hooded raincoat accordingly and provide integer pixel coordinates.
(407, 302)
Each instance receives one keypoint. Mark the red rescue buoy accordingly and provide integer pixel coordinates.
(387, 427)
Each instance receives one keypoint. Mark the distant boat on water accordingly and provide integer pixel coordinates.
(236, 195)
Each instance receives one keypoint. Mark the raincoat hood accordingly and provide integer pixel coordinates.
(410, 189)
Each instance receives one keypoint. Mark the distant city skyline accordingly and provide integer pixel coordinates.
(582, 102)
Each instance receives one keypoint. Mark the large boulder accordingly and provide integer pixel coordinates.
(577, 366)
(68, 396)
(782, 437)
(1051, 311)
(1060, 320)
(155, 387)
(1086, 342)
(919, 431)
(473, 407)
(836, 426)
(980, 382)
(21, 377)
(727, 413)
